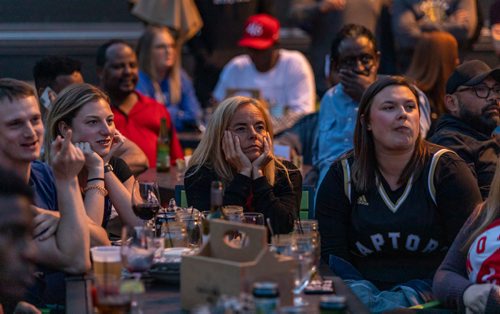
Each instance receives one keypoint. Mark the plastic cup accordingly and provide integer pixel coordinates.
(107, 260)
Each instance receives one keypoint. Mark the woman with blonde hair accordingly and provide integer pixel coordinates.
(237, 149)
(434, 59)
(106, 181)
(162, 78)
(469, 276)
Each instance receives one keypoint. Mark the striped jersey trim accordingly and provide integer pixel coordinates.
(347, 179)
(394, 206)
(430, 178)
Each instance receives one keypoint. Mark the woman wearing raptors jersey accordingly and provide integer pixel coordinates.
(388, 210)
(469, 277)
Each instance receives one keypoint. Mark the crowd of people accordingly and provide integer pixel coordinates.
(405, 158)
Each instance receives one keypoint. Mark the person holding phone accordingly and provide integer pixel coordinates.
(237, 149)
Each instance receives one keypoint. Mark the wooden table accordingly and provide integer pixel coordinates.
(164, 298)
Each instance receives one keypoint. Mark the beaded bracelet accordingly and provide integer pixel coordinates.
(95, 179)
(96, 187)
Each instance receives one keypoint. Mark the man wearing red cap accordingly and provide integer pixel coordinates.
(283, 78)
(473, 103)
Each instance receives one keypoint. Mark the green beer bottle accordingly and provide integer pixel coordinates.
(163, 148)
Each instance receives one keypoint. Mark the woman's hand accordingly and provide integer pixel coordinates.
(234, 155)
(45, 223)
(476, 297)
(92, 159)
(260, 163)
(66, 159)
(118, 141)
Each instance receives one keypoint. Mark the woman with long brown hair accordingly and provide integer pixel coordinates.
(388, 209)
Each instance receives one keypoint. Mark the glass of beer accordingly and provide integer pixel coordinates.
(106, 260)
(110, 297)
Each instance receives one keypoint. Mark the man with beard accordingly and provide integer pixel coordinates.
(137, 116)
(472, 100)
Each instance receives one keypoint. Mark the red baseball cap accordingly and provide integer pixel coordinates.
(261, 32)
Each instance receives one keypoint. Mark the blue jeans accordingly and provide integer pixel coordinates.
(404, 295)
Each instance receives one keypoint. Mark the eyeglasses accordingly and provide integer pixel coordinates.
(482, 91)
(352, 61)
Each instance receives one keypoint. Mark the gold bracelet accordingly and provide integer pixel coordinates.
(96, 187)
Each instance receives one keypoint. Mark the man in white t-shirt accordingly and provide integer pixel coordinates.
(282, 78)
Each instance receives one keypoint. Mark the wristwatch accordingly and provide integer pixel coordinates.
(108, 168)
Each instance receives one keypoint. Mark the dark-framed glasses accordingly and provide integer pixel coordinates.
(482, 91)
(365, 59)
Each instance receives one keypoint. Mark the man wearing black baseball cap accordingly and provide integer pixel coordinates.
(473, 103)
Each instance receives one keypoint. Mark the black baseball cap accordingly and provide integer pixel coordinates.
(470, 73)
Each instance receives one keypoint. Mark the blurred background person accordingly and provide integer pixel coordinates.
(217, 43)
(237, 149)
(323, 19)
(282, 78)
(161, 77)
(434, 59)
(469, 277)
(52, 74)
(388, 210)
(136, 116)
(412, 18)
(106, 180)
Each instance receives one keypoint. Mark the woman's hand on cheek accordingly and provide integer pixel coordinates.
(92, 160)
(260, 163)
(234, 155)
(118, 141)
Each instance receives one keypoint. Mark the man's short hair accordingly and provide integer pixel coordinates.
(350, 31)
(101, 51)
(49, 68)
(12, 89)
(12, 185)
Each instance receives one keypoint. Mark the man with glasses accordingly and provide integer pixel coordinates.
(472, 100)
(354, 62)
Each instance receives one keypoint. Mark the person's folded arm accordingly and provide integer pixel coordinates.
(69, 249)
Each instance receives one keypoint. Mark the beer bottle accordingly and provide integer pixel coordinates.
(215, 206)
(216, 200)
(163, 148)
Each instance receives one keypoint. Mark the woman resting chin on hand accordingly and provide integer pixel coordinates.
(237, 149)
